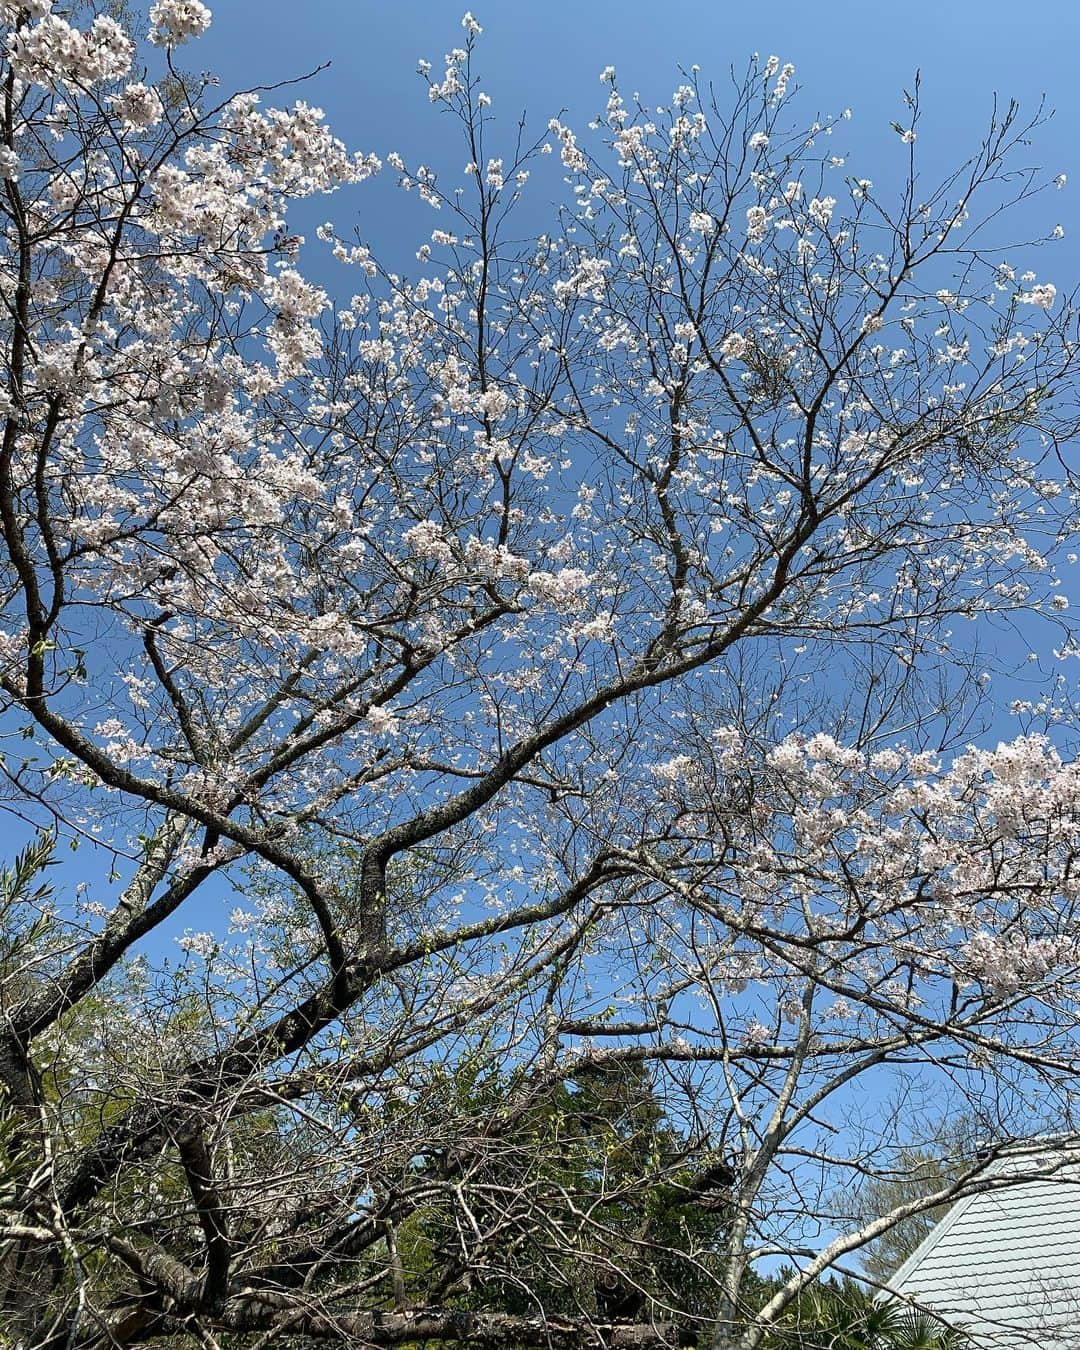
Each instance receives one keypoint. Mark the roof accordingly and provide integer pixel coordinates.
(1004, 1263)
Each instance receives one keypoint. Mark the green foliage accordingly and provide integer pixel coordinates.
(841, 1314)
(25, 901)
(16, 1158)
(575, 1199)
(917, 1171)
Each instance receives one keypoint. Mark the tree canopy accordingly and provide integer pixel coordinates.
(546, 685)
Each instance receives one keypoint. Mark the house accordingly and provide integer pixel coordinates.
(1004, 1262)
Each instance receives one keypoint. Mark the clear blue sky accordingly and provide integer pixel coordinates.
(542, 57)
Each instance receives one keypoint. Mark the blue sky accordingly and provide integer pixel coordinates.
(549, 54)
(540, 58)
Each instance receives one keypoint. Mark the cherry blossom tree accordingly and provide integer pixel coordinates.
(556, 658)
